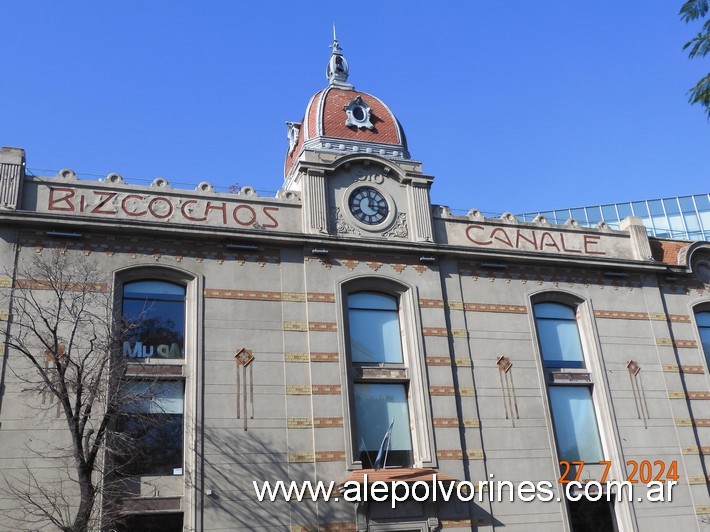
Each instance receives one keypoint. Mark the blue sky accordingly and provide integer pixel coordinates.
(512, 106)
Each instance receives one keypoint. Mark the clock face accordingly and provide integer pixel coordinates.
(368, 205)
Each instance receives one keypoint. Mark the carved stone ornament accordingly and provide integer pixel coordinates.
(341, 226)
(358, 114)
(399, 229)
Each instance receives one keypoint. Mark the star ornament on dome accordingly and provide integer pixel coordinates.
(358, 114)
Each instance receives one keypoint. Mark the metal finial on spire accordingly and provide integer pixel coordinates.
(337, 70)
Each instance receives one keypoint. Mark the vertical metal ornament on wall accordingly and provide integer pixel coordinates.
(638, 390)
(510, 400)
(244, 358)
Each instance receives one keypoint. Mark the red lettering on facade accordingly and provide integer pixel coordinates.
(209, 208)
(55, 201)
(468, 235)
(592, 240)
(551, 244)
(506, 240)
(275, 223)
(236, 217)
(82, 203)
(125, 209)
(187, 216)
(154, 202)
(565, 248)
(108, 196)
(520, 236)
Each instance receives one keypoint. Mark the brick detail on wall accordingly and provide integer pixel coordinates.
(621, 315)
(449, 422)
(326, 389)
(693, 449)
(318, 422)
(293, 389)
(299, 423)
(324, 357)
(461, 362)
(5, 282)
(456, 454)
(672, 368)
(687, 422)
(431, 303)
(680, 394)
(494, 307)
(435, 331)
(451, 390)
(680, 344)
(330, 456)
(301, 458)
(456, 523)
(258, 295)
(302, 326)
(703, 509)
(328, 326)
(443, 331)
(311, 357)
(297, 357)
(327, 422)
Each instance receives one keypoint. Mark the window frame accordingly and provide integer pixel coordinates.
(412, 371)
(562, 376)
(601, 395)
(190, 365)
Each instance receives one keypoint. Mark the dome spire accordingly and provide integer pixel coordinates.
(337, 69)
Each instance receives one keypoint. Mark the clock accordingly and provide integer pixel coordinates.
(368, 205)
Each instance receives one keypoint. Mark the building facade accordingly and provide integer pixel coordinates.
(282, 338)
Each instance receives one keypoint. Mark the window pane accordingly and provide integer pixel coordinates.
(149, 437)
(372, 300)
(559, 337)
(594, 215)
(376, 405)
(640, 209)
(656, 208)
(609, 212)
(154, 312)
(624, 210)
(671, 205)
(554, 310)
(151, 523)
(586, 515)
(375, 335)
(575, 423)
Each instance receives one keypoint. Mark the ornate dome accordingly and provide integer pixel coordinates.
(340, 119)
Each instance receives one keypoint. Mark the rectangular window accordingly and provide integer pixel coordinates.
(575, 423)
(376, 406)
(569, 384)
(154, 316)
(150, 429)
(380, 381)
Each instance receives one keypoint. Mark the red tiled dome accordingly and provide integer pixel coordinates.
(326, 118)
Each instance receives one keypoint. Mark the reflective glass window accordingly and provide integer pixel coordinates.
(559, 337)
(154, 314)
(609, 213)
(376, 406)
(375, 334)
(579, 215)
(149, 432)
(624, 210)
(640, 209)
(594, 214)
(575, 423)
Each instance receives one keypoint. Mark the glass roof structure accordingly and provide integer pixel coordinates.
(682, 217)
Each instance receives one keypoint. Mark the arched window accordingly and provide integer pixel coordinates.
(154, 317)
(380, 386)
(569, 383)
